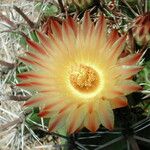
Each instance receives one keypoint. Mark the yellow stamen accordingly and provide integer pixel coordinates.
(84, 78)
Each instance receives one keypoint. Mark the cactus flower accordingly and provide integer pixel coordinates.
(79, 75)
(141, 29)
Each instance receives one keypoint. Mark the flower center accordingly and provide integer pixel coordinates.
(84, 78)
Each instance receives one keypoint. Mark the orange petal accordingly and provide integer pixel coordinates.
(43, 113)
(31, 84)
(118, 102)
(132, 88)
(129, 86)
(130, 59)
(38, 48)
(33, 75)
(100, 31)
(113, 92)
(72, 24)
(66, 107)
(68, 35)
(36, 58)
(41, 65)
(116, 92)
(56, 44)
(56, 122)
(38, 83)
(26, 60)
(117, 49)
(44, 40)
(34, 63)
(81, 126)
(23, 76)
(24, 84)
(90, 107)
(89, 39)
(130, 71)
(47, 91)
(59, 120)
(33, 101)
(52, 105)
(30, 75)
(92, 121)
(56, 29)
(113, 37)
(106, 114)
(75, 119)
(86, 23)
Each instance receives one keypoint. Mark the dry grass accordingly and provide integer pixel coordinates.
(15, 134)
